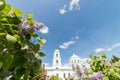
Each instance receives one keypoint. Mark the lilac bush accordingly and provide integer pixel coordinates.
(101, 68)
(20, 44)
(100, 64)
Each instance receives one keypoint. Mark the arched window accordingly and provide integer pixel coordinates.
(64, 75)
(57, 61)
(68, 74)
(56, 55)
(74, 60)
(43, 66)
(57, 68)
(57, 74)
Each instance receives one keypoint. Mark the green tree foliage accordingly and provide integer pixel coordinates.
(18, 53)
(54, 78)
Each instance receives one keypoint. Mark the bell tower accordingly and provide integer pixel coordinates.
(56, 59)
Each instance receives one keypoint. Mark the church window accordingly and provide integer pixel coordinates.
(48, 77)
(57, 74)
(68, 74)
(43, 66)
(64, 75)
(56, 67)
(74, 60)
(56, 55)
(57, 61)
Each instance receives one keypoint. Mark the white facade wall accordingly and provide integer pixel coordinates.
(63, 71)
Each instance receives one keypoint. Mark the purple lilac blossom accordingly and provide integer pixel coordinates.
(24, 26)
(83, 76)
(107, 62)
(97, 76)
(84, 69)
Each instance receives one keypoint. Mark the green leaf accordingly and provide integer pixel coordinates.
(41, 54)
(19, 60)
(2, 4)
(105, 78)
(27, 71)
(34, 34)
(18, 38)
(36, 48)
(33, 58)
(36, 66)
(7, 9)
(116, 69)
(7, 60)
(19, 73)
(3, 19)
(1, 64)
(17, 12)
(25, 47)
(11, 38)
(117, 75)
(41, 41)
(13, 20)
(2, 34)
(103, 55)
(29, 16)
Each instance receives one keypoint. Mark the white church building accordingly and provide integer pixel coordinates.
(63, 71)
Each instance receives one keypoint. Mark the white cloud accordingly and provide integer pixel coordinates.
(65, 45)
(107, 49)
(63, 10)
(74, 4)
(99, 50)
(75, 37)
(113, 46)
(44, 30)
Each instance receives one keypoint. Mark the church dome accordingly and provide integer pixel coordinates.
(74, 59)
(74, 56)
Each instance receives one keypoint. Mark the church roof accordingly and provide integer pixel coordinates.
(75, 56)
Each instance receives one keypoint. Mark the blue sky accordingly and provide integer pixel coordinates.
(83, 26)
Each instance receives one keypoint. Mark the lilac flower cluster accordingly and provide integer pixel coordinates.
(97, 76)
(107, 62)
(25, 25)
(83, 71)
(83, 76)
